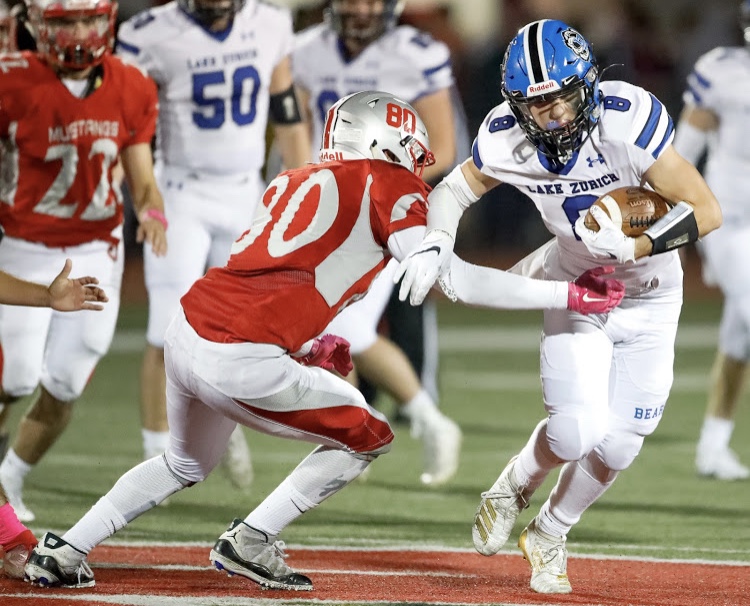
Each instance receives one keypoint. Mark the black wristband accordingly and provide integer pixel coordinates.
(674, 230)
(284, 108)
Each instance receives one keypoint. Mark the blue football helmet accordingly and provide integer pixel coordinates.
(745, 20)
(549, 60)
(349, 25)
(208, 12)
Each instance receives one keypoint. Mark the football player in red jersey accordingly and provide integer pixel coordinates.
(68, 114)
(63, 294)
(245, 348)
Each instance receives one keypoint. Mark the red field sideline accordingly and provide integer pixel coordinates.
(182, 576)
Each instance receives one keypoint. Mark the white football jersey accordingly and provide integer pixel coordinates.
(633, 131)
(213, 87)
(720, 83)
(404, 61)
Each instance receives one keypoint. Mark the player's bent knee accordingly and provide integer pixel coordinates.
(187, 472)
(20, 380)
(571, 438)
(373, 436)
(620, 448)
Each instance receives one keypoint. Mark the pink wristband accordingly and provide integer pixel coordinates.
(10, 527)
(157, 215)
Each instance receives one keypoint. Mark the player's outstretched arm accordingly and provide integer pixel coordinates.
(63, 294)
(481, 286)
(463, 186)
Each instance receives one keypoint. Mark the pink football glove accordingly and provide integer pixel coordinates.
(590, 293)
(329, 352)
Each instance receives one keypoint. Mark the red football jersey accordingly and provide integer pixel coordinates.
(317, 243)
(58, 151)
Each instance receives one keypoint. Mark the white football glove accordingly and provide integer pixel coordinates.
(423, 266)
(609, 242)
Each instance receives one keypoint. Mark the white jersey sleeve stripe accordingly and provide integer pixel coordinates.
(656, 131)
(667, 138)
(697, 86)
(128, 48)
(433, 70)
(475, 154)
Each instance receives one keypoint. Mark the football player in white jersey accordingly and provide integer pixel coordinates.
(361, 46)
(717, 116)
(243, 347)
(223, 68)
(564, 138)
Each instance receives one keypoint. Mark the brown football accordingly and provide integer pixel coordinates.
(636, 208)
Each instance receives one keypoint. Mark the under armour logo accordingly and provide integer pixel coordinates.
(591, 161)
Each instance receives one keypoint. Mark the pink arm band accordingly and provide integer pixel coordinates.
(157, 215)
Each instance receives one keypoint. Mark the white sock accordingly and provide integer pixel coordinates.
(580, 484)
(419, 410)
(138, 490)
(321, 474)
(154, 443)
(536, 459)
(14, 468)
(715, 433)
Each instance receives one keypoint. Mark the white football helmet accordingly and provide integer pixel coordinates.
(50, 26)
(208, 12)
(351, 23)
(373, 124)
(7, 29)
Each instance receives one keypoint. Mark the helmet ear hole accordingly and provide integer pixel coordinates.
(391, 156)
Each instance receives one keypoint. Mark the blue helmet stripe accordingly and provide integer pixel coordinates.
(653, 121)
(534, 66)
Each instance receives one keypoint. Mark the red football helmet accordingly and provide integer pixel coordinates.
(7, 29)
(73, 34)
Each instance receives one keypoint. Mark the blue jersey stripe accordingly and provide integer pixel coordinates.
(131, 48)
(651, 124)
(697, 98)
(475, 155)
(428, 72)
(704, 82)
(670, 130)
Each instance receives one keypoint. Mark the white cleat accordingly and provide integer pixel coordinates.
(498, 510)
(548, 558)
(55, 563)
(441, 441)
(722, 464)
(236, 462)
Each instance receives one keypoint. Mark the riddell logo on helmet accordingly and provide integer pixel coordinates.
(331, 156)
(543, 87)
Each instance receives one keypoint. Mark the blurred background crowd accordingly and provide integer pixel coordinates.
(651, 44)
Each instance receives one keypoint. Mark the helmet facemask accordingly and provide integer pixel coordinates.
(208, 12)
(556, 141)
(350, 25)
(73, 34)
